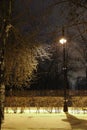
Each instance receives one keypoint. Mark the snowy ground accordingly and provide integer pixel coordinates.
(45, 121)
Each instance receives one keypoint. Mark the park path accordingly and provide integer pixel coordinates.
(33, 121)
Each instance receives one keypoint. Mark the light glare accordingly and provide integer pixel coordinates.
(62, 40)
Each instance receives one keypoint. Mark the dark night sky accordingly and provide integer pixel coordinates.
(47, 16)
(39, 13)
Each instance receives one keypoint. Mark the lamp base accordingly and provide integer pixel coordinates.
(65, 108)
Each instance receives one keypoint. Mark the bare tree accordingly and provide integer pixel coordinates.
(18, 57)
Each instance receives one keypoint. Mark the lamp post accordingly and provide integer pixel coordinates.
(63, 42)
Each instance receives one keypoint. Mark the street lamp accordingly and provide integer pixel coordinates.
(63, 42)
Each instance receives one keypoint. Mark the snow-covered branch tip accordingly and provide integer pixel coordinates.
(8, 27)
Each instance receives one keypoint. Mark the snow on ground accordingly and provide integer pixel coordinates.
(45, 121)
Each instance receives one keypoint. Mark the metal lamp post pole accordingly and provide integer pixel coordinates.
(65, 107)
(63, 42)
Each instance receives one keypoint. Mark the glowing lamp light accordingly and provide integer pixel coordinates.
(62, 40)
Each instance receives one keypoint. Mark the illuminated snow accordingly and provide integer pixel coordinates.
(45, 121)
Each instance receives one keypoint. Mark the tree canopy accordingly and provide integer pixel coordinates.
(39, 24)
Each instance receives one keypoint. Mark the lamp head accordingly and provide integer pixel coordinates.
(63, 40)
